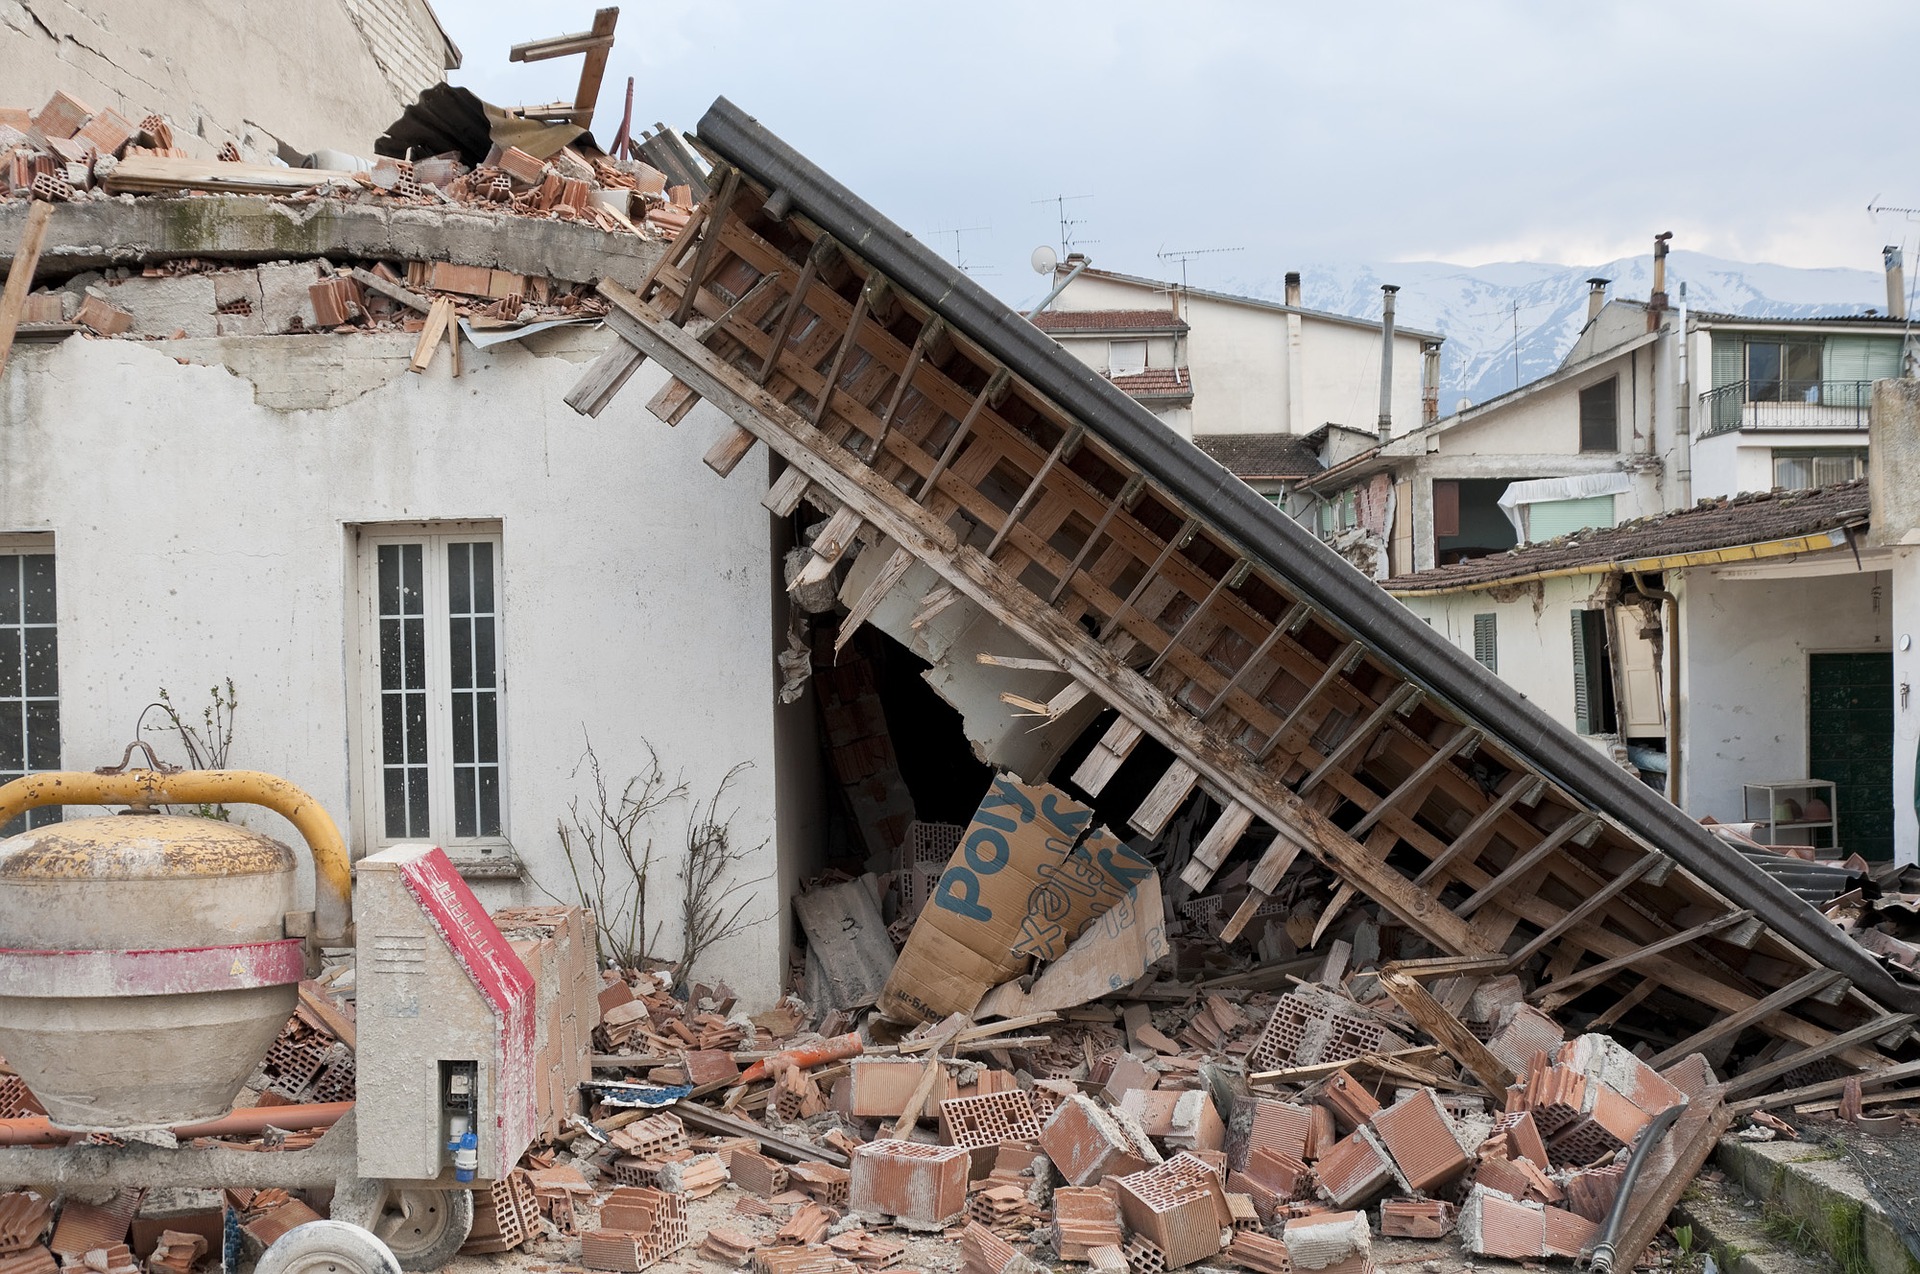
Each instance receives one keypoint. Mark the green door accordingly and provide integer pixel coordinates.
(1850, 742)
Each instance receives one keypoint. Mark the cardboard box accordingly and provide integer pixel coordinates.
(1027, 881)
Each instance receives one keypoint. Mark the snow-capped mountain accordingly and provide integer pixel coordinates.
(1474, 306)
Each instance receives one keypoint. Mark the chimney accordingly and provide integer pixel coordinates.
(1896, 282)
(1386, 360)
(1429, 382)
(1596, 297)
(1293, 288)
(1658, 303)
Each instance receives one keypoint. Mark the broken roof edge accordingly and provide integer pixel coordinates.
(98, 233)
(1313, 569)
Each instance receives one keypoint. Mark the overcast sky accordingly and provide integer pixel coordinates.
(1468, 132)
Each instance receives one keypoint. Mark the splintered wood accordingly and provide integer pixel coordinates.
(891, 419)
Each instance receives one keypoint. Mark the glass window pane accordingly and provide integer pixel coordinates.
(13, 737)
(1802, 372)
(417, 824)
(396, 803)
(483, 578)
(393, 748)
(463, 729)
(389, 600)
(413, 654)
(460, 652)
(1763, 372)
(466, 817)
(390, 654)
(483, 653)
(416, 728)
(459, 577)
(489, 800)
(9, 590)
(413, 598)
(43, 663)
(43, 736)
(36, 593)
(11, 682)
(487, 726)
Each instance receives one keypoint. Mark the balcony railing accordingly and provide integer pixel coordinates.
(1786, 404)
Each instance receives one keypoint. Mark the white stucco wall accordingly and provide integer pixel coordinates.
(1535, 639)
(1743, 683)
(200, 534)
(1240, 359)
(319, 73)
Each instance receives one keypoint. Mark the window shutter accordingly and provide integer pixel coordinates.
(1729, 359)
(1446, 507)
(1582, 697)
(1486, 643)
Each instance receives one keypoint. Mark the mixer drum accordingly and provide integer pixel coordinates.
(144, 971)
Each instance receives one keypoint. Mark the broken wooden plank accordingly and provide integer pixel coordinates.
(708, 1119)
(438, 318)
(1449, 1032)
(891, 572)
(1165, 799)
(1880, 1026)
(1112, 750)
(152, 174)
(672, 401)
(392, 291)
(729, 449)
(830, 545)
(26, 259)
(1732, 1024)
(1561, 990)
(1216, 845)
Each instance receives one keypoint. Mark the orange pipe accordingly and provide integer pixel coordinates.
(39, 1131)
(833, 1050)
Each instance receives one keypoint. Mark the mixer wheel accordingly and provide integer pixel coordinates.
(424, 1227)
(328, 1247)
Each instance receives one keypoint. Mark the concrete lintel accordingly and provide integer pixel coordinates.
(127, 231)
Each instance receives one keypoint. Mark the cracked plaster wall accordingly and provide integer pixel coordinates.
(310, 73)
(201, 495)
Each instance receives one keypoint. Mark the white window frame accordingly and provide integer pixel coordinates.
(365, 684)
(36, 544)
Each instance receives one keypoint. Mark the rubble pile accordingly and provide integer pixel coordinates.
(66, 152)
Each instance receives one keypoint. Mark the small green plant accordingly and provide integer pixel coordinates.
(208, 744)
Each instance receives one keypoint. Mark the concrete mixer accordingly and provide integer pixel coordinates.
(148, 961)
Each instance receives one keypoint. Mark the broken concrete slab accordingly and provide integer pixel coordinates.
(129, 231)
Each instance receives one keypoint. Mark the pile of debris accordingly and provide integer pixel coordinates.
(67, 152)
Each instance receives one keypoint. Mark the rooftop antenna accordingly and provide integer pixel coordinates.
(959, 258)
(1187, 254)
(1068, 240)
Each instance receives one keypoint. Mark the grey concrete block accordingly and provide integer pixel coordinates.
(162, 307)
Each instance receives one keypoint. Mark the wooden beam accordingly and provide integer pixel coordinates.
(1586, 907)
(1814, 1052)
(1361, 735)
(26, 259)
(1233, 577)
(1732, 1024)
(1571, 826)
(709, 243)
(1044, 629)
(1129, 490)
(1465, 737)
(1825, 1088)
(929, 332)
(848, 340)
(890, 573)
(1469, 841)
(1062, 450)
(1167, 550)
(437, 320)
(1448, 1031)
(1216, 845)
(995, 383)
(1342, 660)
(1295, 614)
(816, 256)
(1560, 991)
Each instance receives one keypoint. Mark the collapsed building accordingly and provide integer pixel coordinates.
(985, 569)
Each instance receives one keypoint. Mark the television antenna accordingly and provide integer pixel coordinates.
(1068, 239)
(959, 259)
(1910, 214)
(1187, 254)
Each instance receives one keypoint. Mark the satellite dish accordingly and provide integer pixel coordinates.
(1044, 260)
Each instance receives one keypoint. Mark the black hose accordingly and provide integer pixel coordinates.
(1603, 1252)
